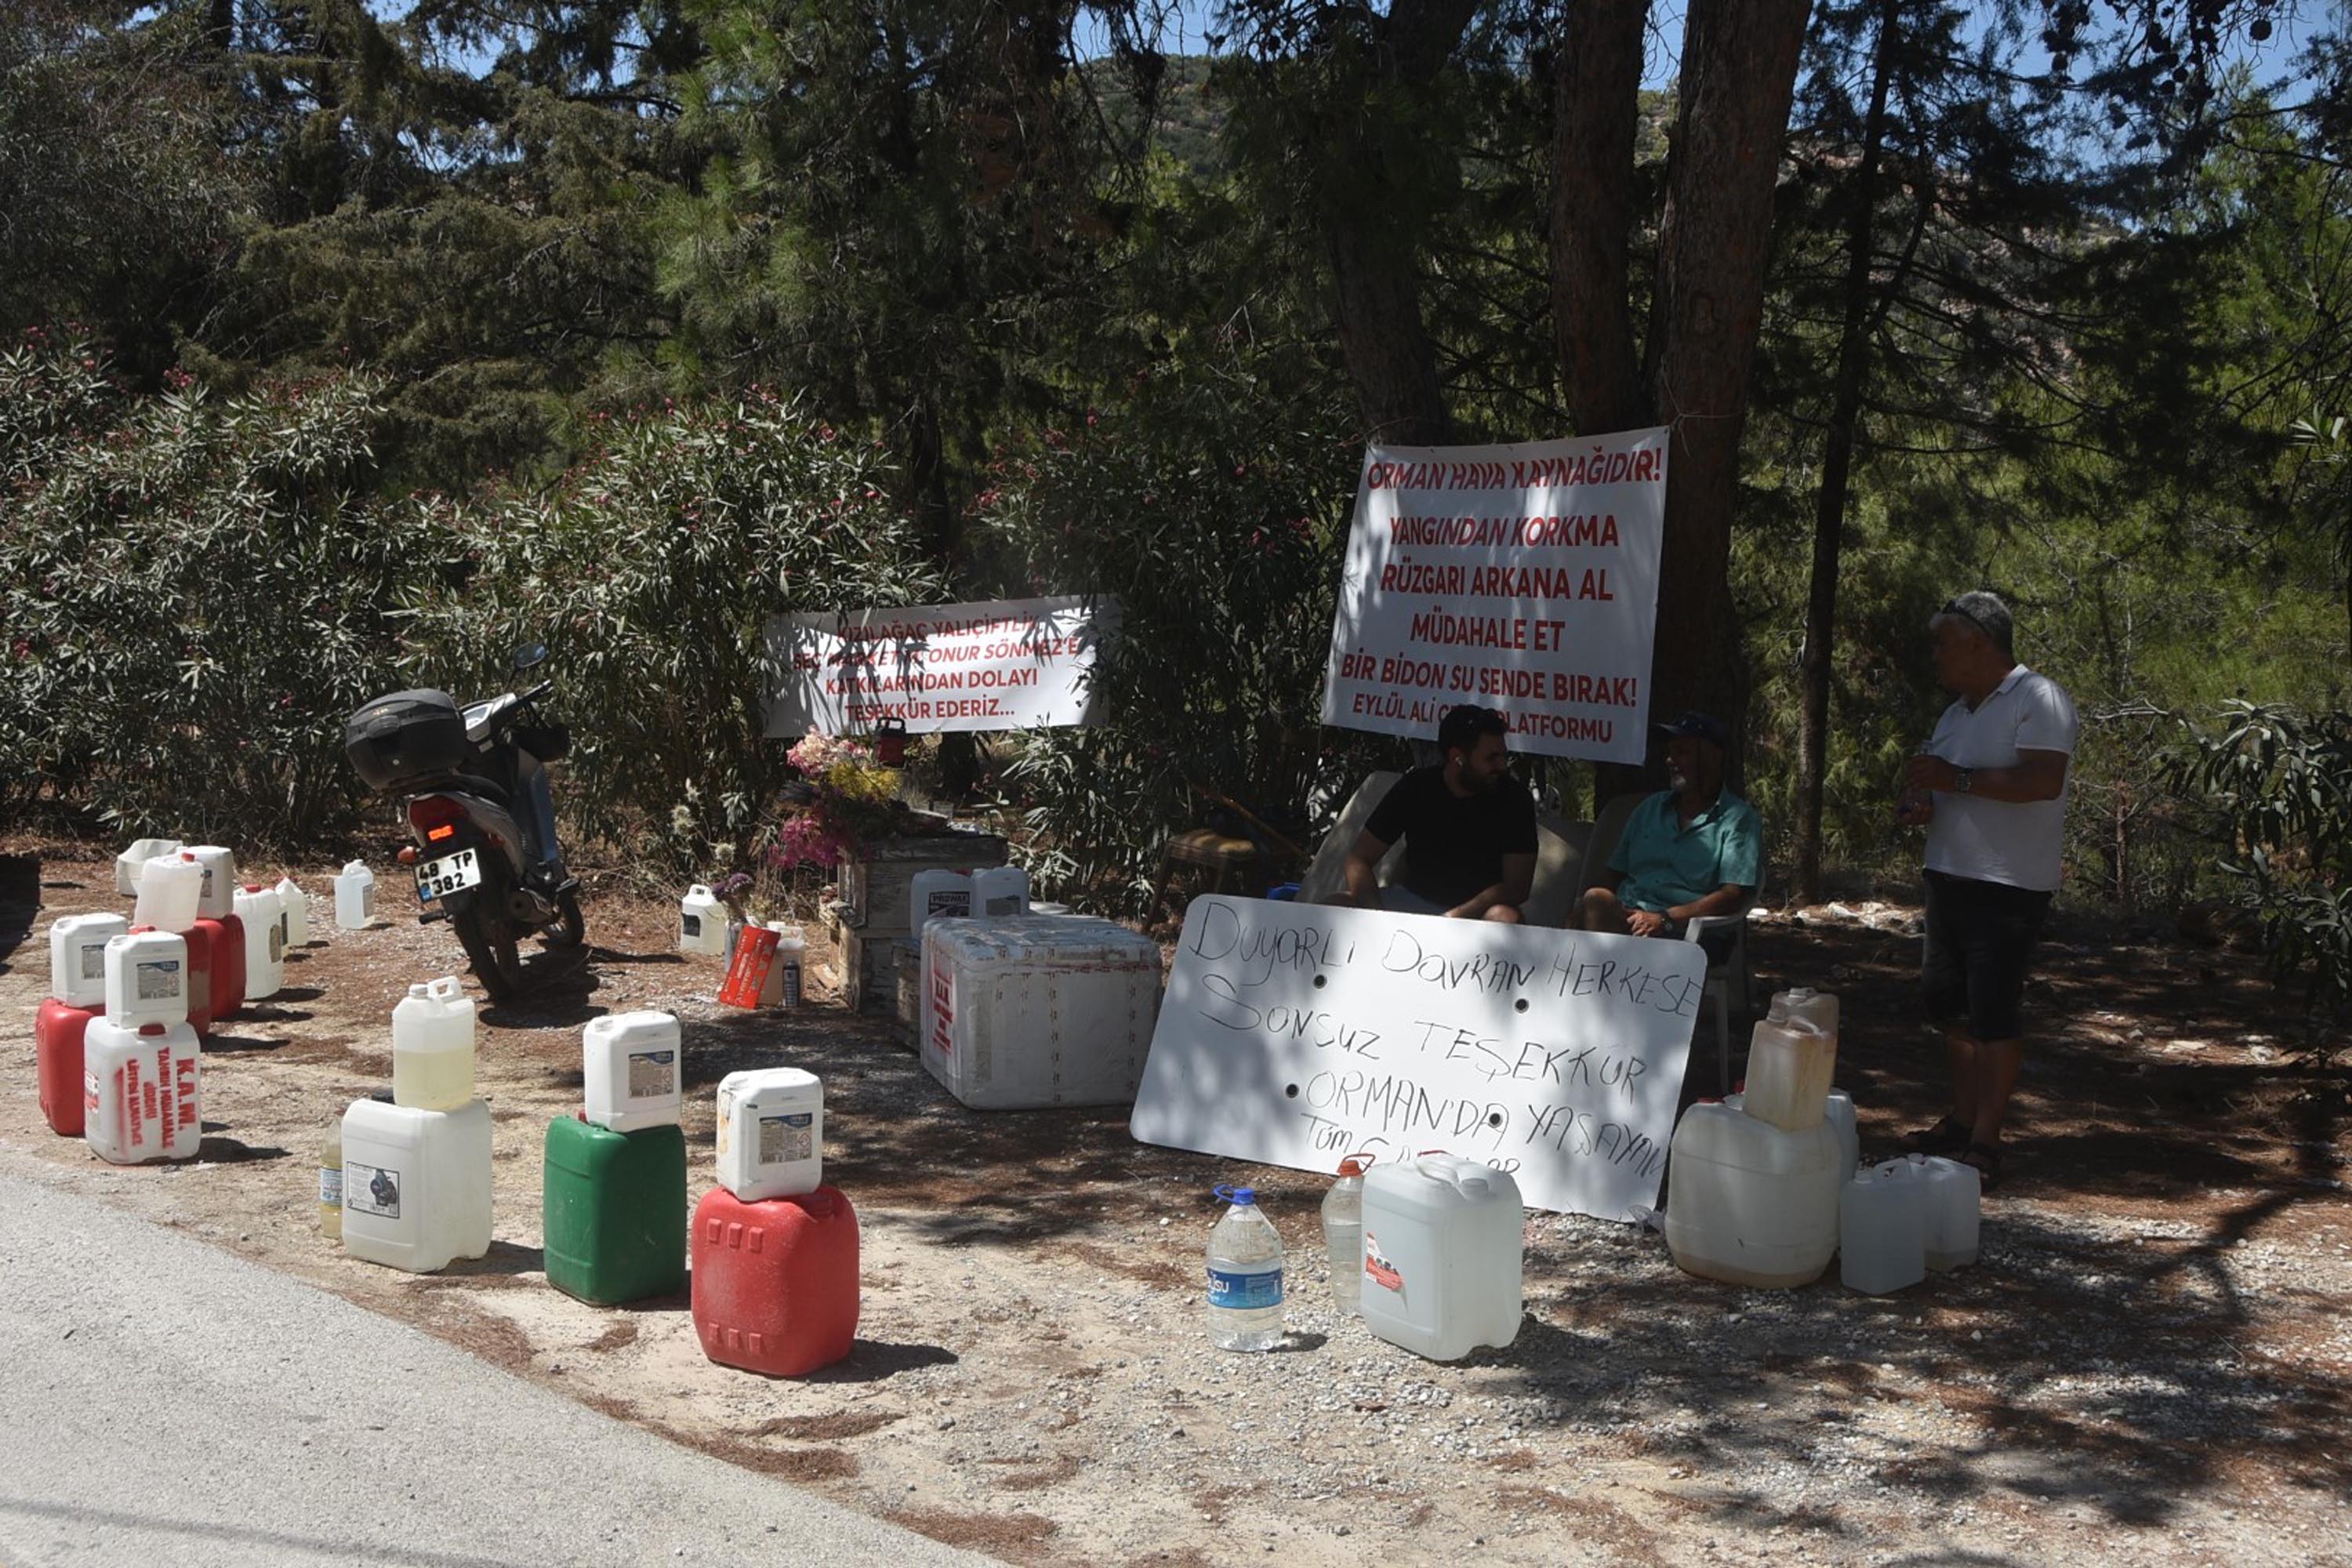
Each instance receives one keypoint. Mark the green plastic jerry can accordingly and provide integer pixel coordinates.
(615, 1220)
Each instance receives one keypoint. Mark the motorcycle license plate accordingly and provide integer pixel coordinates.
(447, 875)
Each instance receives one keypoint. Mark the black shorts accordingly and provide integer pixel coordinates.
(1981, 938)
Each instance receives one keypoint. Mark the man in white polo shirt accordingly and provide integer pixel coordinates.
(1990, 789)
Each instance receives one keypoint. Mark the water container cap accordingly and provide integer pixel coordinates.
(1800, 994)
(354, 868)
(151, 1028)
(1351, 1166)
(187, 854)
(1243, 1197)
(138, 930)
(254, 887)
(418, 991)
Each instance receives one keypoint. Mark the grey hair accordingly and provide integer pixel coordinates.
(1987, 612)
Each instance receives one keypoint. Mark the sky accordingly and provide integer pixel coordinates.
(1186, 26)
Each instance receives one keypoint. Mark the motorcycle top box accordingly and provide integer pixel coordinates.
(407, 736)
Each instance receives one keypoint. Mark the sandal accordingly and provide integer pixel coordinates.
(1985, 1160)
(1946, 1137)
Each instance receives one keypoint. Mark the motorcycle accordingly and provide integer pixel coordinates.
(474, 785)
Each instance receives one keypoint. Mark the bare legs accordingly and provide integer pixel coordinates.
(1600, 910)
(1984, 1075)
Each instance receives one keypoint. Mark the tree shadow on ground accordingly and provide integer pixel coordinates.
(20, 903)
(2091, 1356)
(2107, 1349)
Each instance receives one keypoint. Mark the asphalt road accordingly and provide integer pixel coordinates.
(162, 1402)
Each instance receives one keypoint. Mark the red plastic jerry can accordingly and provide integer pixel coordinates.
(58, 1030)
(775, 1281)
(204, 938)
(226, 948)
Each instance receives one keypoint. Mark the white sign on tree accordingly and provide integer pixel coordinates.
(1298, 1033)
(1522, 578)
(1009, 664)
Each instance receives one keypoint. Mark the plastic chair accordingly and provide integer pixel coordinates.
(1607, 828)
(1723, 979)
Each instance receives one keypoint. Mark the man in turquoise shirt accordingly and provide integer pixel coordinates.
(1691, 850)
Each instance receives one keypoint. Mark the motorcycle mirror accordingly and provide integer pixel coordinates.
(530, 653)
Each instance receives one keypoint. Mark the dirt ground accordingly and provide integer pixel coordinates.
(2149, 1364)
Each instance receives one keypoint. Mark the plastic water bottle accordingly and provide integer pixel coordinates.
(1244, 1275)
(330, 1181)
(1343, 1234)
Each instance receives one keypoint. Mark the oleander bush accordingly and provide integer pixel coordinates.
(196, 593)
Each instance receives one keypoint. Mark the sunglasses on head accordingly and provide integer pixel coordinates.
(1952, 607)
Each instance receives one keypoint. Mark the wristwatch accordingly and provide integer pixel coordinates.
(1962, 780)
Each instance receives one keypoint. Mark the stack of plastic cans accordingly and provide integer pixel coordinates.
(775, 1249)
(615, 1174)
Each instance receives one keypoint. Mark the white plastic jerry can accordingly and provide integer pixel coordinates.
(1955, 1212)
(77, 957)
(296, 905)
(142, 1091)
(355, 896)
(1882, 1228)
(262, 914)
(131, 863)
(1442, 1255)
(433, 1046)
(216, 898)
(170, 889)
(999, 891)
(1752, 1204)
(633, 1064)
(701, 922)
(771, 1134)
(416, 1183)
(147, 978)
(938, 895)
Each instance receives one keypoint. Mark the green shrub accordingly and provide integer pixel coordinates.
(650, 571)
(1216, 516)
(2277, 786)
(195, 598)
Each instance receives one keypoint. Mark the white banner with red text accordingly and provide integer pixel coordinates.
(1008, 664)
(1522, 578)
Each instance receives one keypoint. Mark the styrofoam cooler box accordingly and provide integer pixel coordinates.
(1036, 1010)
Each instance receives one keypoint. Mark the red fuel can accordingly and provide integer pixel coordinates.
(58, 1030)
(775, 1282)
(202, 938)
(225, 947)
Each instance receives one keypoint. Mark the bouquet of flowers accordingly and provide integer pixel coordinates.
(846, 797)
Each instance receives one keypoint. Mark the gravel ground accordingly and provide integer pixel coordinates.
(2149, 1363)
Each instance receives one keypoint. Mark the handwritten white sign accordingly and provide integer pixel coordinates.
(1009, 664)
(1296, 1034)
(1522, 578)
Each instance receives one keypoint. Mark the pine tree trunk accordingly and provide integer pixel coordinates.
(1597, 90)
(1376, 280)
(1837, 463)
(1391, 360)
(1739, 73)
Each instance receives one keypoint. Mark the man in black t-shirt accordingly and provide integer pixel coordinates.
(1468, 828)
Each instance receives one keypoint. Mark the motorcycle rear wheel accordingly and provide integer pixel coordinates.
(490, 949)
